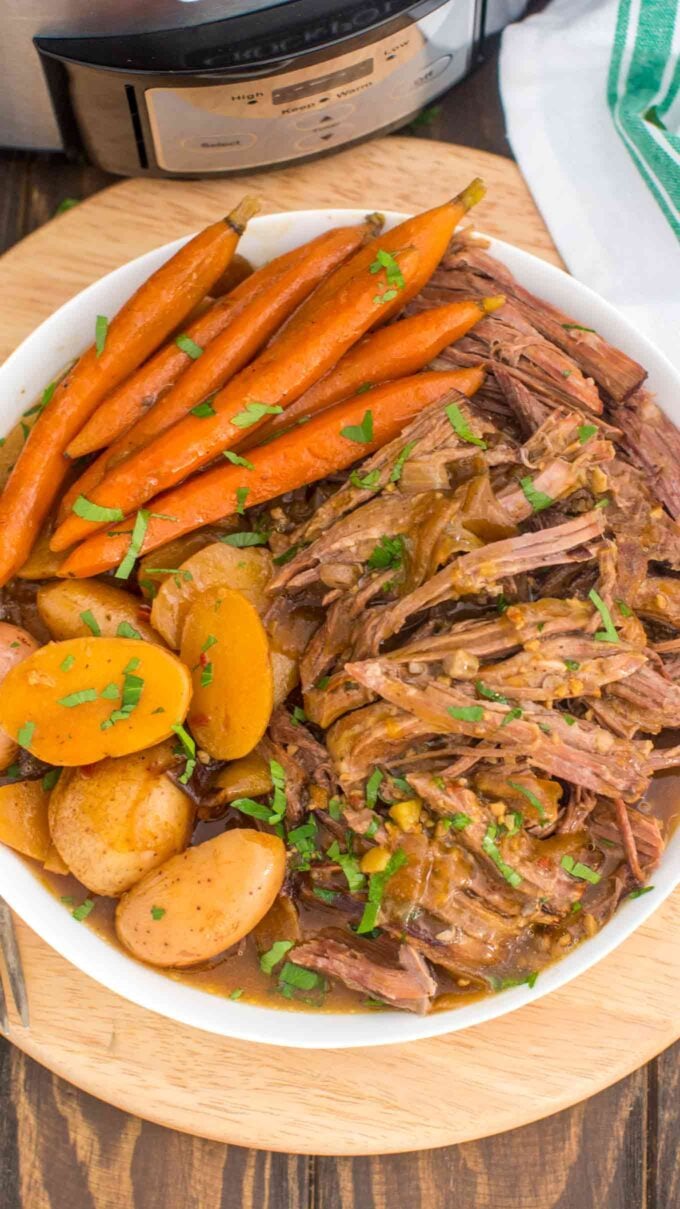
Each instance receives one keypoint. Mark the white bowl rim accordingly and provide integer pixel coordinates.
(23, 375)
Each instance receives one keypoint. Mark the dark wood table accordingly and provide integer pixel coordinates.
(62, 1149)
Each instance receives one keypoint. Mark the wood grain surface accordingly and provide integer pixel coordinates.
(60, 1147)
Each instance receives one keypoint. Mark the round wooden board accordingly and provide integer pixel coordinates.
(500, 1075)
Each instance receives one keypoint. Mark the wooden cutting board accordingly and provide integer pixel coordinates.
(506, 1073)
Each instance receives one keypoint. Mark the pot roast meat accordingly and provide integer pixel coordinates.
(409, 985)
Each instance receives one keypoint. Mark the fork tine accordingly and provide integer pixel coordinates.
(10, 949)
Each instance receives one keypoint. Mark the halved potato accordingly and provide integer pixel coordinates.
(225, 645)
(245, 778)
(53, 863)
(23, 818)
(113, 822)
(42, 563)
(247, 571)
(75, 702)
(15, 646)
(77, 608)
(200, 903)
(157, 566)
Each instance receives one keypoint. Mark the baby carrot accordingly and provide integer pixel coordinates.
(259, 306)
(331, 441)
(392, 352)
(145, 320)
(133, 398)
(274, 380)
(429, 233)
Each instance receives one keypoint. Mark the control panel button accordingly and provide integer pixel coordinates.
(320, 118)
(223, 142)
(316, 140)
(432, 72)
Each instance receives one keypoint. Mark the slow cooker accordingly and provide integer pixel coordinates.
(194, 87)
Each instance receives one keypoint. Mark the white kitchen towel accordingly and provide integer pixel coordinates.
(591, 91)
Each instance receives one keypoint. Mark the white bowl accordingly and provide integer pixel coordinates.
(22, 377)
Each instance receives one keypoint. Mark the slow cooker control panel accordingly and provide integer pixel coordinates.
(292, 114)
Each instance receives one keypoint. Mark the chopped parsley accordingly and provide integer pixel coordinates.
(125, 630)
(303, 838)
(372, 786)
(189, 346)
(133, 686)
(253, 413)
(459, 820)
(137, 536)
(403, 457)
(461, 427)
(379, 299)
(293, 977)
(242, 494)
(388, 554)
(483, 690)
(578, 328)
(111, 692)
(624, 609)
(255, 810)
(279, 800)
(571, 665)
(569, 719)
(188, 748)
(203, 410)
(512, 715)
(578, 869)
(608, 634)
(236, 459)
(88, 511)
(80, 913)
(361, 433)
(210, 641)
(385, 260)
(639, 891)
(326, 896)
(491, 848)
(157, 913)
(322, 683)
(274, 955)
(241, 540)
(101, 331)
(80, 697)
(46, 398)
(335, 809)
(67, 663)
(298, 715)
(207, 675)
(50, 779)
(530, 797)
(538, 499)
(366, 482)
(466, 713)
(376, 889)
(349, 865)
(586, 431)
(288, 555)
(88, 618)
(236, 993)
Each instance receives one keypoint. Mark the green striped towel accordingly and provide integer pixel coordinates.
(644, 95)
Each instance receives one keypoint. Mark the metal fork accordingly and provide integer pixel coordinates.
(15, 974)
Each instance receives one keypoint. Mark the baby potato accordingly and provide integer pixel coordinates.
(248, 571)
(53, 863)
(23, 818)
(225, 645)
(200, 903)
(42, 563)
(15, 646)
(245, 778)
(75, 702)
(157, 566)
(63, 605)
(113, 822)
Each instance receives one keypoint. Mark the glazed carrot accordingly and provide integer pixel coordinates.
(133, 398)
(275, 379)
(429, 233)
(300, 456)
(259, 307)
(145, 320)
(393, 352)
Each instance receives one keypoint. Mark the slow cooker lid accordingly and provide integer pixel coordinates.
(249, 34)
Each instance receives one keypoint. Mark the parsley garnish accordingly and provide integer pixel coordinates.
(204, 409)
(372, 786)
(240, 540)
(254, 412)
(130, 696)
(577, 327)
(531, 797)
(297, 977)
(207, 675)
(398, 467)
(466, 713)
(38, 408)
(326, 896)
(490, 847)
(387, 555)
(157, 912)
(577, 869)
(608, 634)
(512, 715)
(189, 346)
(137, 536)
(624, 609)
(461, 427)
(322, 683)
(586, 431)
(288, 555)
(80, 913)
(101, 330)
(538, 499)
(236, 459)
(88, 618)
(335, 809)
(639, 891)
(376, 890)
(349, 865)
(67, 663)
(125, 630)
(236, 993)
(188, 749)
(368, 482)
(384, 260)
(491, 695)
(50, 779)
(379, 299)
(571, 665)
(88, 511)
(362, 433)
(80, 697)
(459, 820)
(274, 955)
(241, 497)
